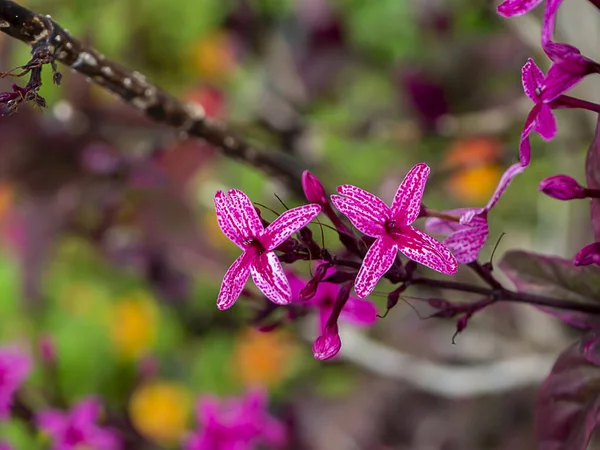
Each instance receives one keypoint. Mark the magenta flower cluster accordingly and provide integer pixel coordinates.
(236, 423)
(387, 230)
(547, 92)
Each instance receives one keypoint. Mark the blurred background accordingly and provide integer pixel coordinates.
(111, 255)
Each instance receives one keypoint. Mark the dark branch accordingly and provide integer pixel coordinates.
(50, 42)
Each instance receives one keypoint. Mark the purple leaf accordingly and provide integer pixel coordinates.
(568, 403)
(592, 172)
(558, 278)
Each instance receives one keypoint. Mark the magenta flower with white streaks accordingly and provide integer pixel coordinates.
(392, 228)
(240, 222)
(15, 367)
(467, 237)
(77, 428)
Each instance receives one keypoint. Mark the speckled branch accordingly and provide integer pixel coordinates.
(50, 42)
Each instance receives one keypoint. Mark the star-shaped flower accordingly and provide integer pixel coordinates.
(392, 228)
(544, 92)
(240, 222)
(77, 428)
(236, 423)
(15, 366)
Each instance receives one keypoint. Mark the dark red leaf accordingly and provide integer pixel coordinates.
(555, 277)
(568, 402)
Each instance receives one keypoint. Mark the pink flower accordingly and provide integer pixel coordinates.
(236, 424)
(465, 240)
(5, 446)
(544, 91)
(510, 8)
(392, 228)
(356, 311)
(77, 428)
(467, 237)
(240, 223)
(15, 367)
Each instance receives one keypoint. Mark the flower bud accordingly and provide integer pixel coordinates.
(328, 345)
(590, 254)
(47, 350)
(313, 189)
(562, 187)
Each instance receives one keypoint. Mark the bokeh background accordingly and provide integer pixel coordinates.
(111, 255)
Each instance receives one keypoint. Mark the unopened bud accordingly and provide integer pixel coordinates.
(590, 254)
(47, 350)
(309, 291)
(562, 187)
(313, 189)
(328, 345)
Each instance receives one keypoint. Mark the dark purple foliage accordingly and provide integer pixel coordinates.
(558, 278)
(569, 401)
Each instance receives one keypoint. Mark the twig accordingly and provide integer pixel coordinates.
(41, 32)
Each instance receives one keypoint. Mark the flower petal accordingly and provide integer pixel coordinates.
(371, 203)
(269, 277)
(424, 249)
(227, 220)
(435, 225)
(507, 177)
(377, 262)
(246, 214)
(359, 312)
(363, 218)
(525, 144)
(86, 412)
(532, 78)
(565, 74)
(52, 422)
(407, 201)
(545, 125)
(510, 8)
(234, 281)
(466, 243)
(549, 22)
(288, 223)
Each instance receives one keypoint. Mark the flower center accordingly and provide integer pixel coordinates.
(255, 245)
(74, 435)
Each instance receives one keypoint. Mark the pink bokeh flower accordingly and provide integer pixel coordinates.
(391, 226)
(236, 424)
(15, 367)
(240, 222)
(75, 429)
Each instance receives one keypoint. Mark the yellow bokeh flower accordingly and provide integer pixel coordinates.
(160, 411)
(213, 56)
(263, 358)
(474, 162)
(134, 323)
